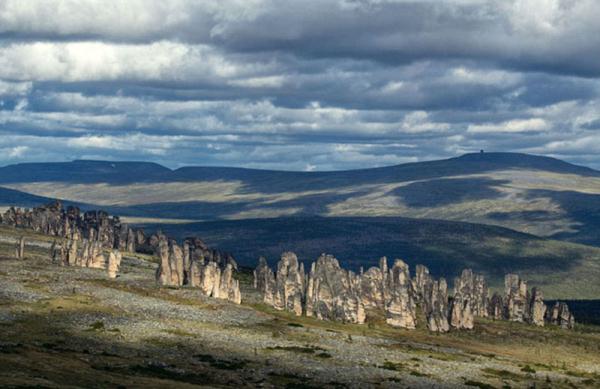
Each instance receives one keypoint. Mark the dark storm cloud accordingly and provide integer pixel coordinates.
(297, 85)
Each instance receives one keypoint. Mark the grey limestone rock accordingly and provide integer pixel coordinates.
(330, 294)
(401, 307)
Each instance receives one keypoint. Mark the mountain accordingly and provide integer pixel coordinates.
(532, 194)
(84, 171)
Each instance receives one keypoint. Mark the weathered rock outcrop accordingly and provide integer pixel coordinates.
(373, 288)
(480, 297)
(114, 263)
(401, 308)
(421, 282)
(264, 281)
(196, 266)
(461, 311)
(470, 299)
(20, 248)
(560, 315)
(52, 219)
(435, 305)
(516, 298)
(289, 284)
(432, 295)
(170, 269)
(536, 308)
(229, 287)
(496, 307)
(330, 294)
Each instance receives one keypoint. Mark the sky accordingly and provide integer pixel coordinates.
(298, 85)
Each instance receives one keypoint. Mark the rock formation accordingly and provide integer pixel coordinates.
(229, 287)
(480, 298)
(289, 284)
(560, 315)
(421, 282)
(196, 266)
(373, 286)
(470, 299)
(536, 308)
(516, 298)
(496, 307)
(52, 219)
(20, 248)
(330, 292)
(401, 308)
(461, 311)
(170, 268)
(114, 263)
(435, 305)
(432, 295)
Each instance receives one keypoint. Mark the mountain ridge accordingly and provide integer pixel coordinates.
(129, 171)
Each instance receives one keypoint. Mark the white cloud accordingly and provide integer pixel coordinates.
(97, 61)
(511, 126)
(494, 77)
(15, 88)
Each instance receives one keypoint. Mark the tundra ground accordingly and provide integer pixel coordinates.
(74, 327)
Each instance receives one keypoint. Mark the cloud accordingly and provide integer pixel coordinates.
(314, 85)
(519, 125)
(97, 61)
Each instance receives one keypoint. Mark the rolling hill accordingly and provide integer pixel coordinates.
(537, 195)
(494, 212)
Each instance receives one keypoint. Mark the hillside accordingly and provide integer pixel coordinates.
(68, 326)
(538, 195)
(563, 270)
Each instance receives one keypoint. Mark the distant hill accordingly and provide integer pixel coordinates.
(533, 194)
(563, 270)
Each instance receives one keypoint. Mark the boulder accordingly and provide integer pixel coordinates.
(401, 307)
(329, 293)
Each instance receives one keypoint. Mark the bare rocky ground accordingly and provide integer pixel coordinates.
(74, 327)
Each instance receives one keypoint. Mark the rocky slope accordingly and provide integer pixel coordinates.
(74, 327)
(84, 238)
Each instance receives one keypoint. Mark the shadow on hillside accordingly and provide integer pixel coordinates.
(445, 247)
(440, 192)
(42, 347)
(581, 208)
(312, 204)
